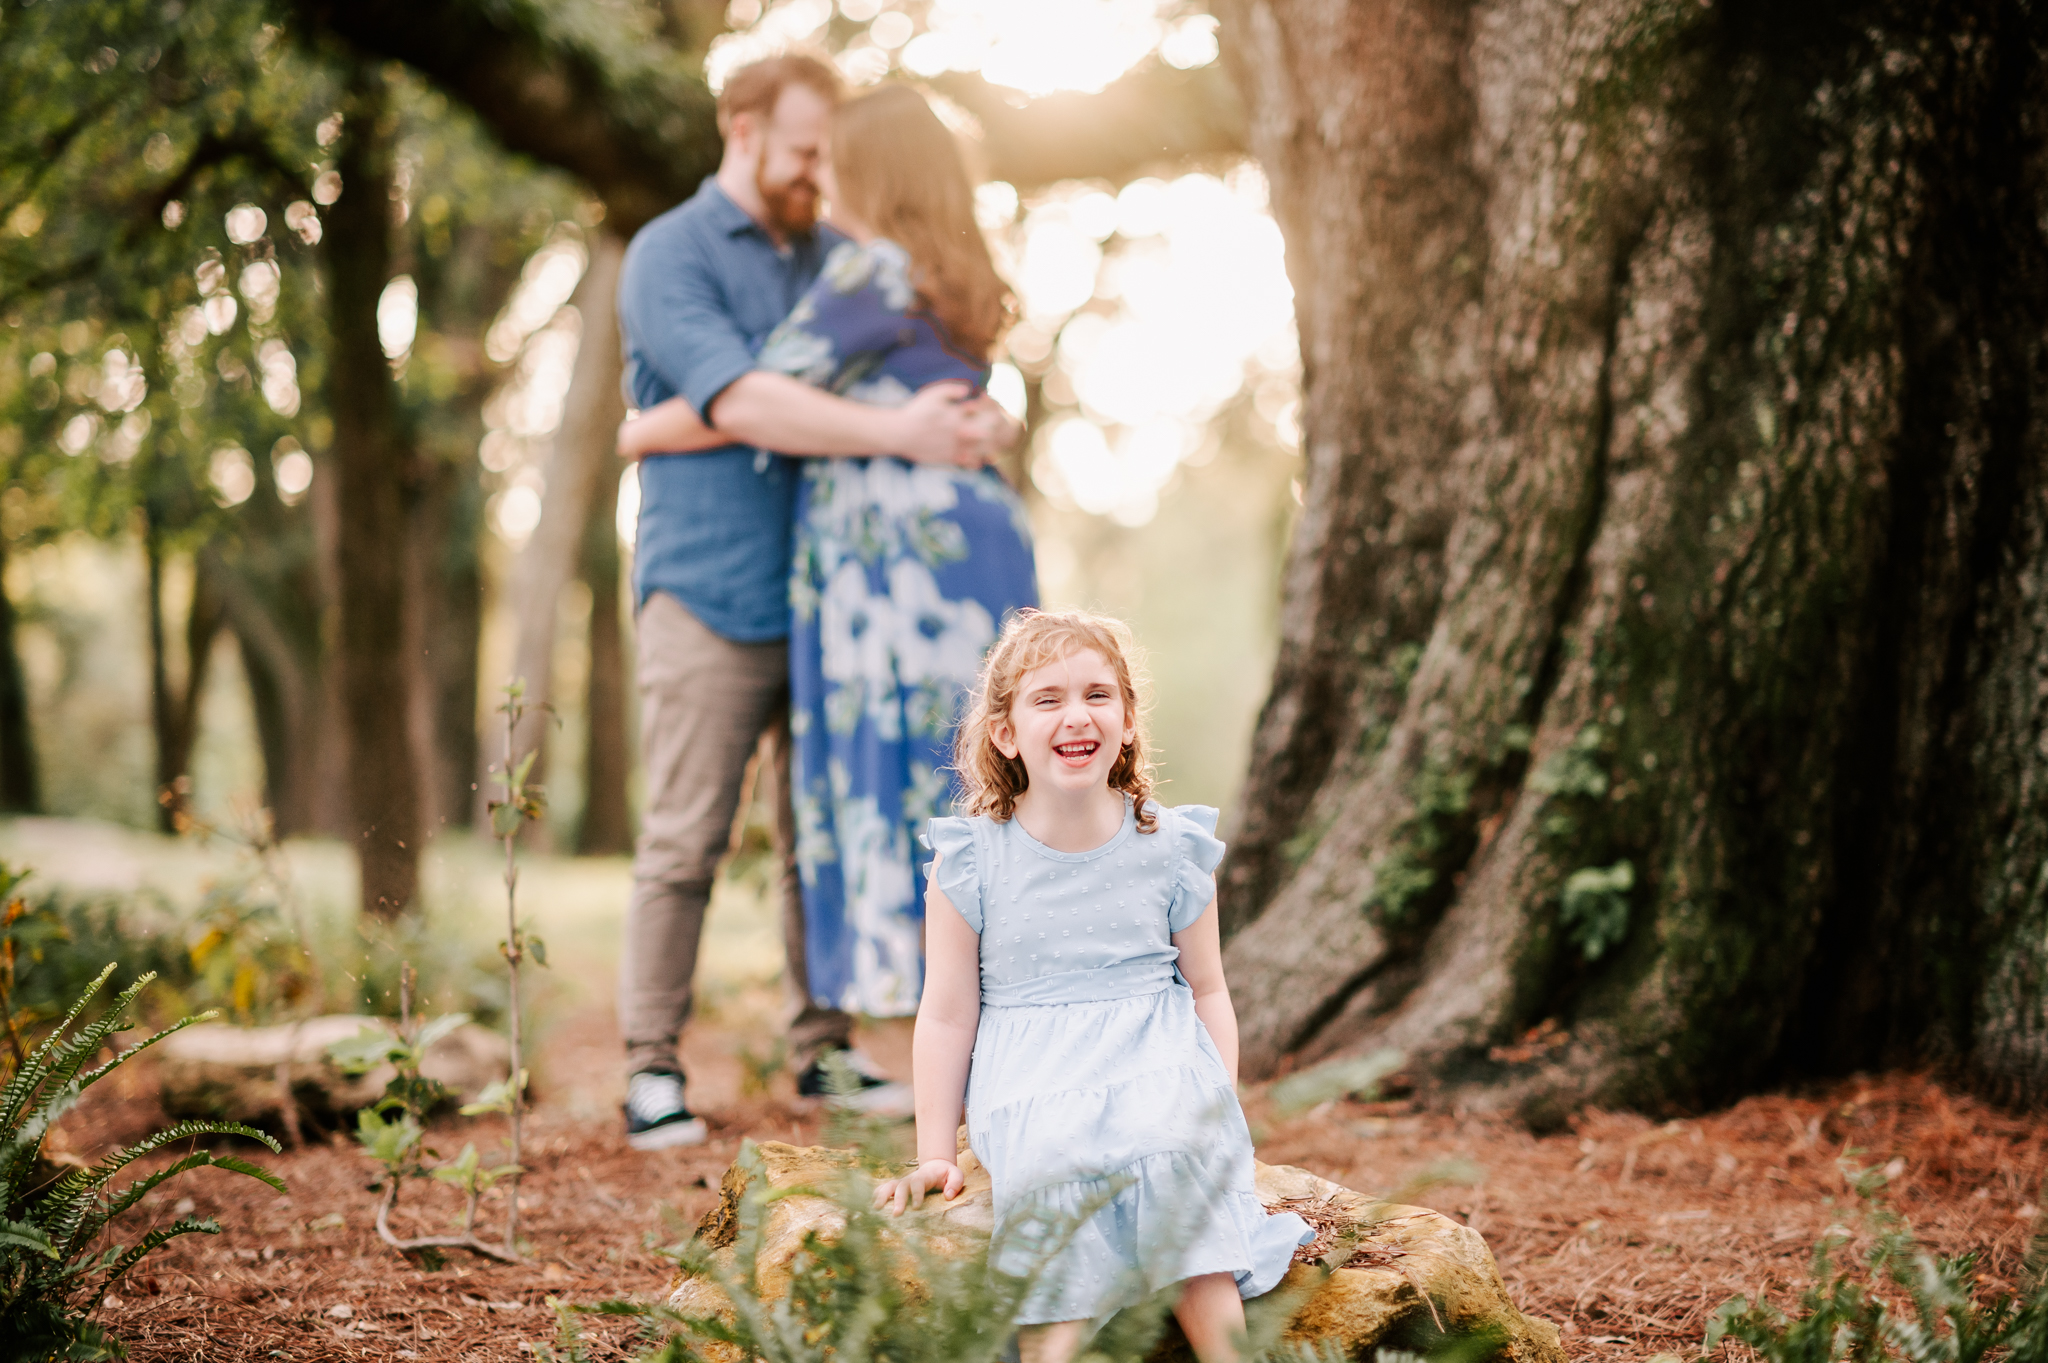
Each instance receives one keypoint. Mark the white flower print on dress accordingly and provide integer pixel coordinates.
(874, 854)
(848, 268)
(938, 642)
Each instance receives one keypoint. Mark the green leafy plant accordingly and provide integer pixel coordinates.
(522, 803)
(1593, 907)
(393, 1130)
(1406, 875)
(53, 945)
(1843, 1317)
(52, 1276)
(255, 953)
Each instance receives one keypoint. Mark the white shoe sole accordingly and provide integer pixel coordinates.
(884, 1100)
(692, 1132)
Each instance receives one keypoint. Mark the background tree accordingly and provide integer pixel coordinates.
(1662, 637)
(167, 324)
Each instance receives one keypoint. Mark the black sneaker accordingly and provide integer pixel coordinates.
(859, 1084)
(656, 1117)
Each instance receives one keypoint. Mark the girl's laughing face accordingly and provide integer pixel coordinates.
(1067, 724)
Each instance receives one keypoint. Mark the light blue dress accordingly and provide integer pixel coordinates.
(1095, 1092)
(903, 575)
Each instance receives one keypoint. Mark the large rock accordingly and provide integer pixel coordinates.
(242, 1074)
(1415, 1273)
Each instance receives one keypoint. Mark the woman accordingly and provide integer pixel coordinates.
(904, 572)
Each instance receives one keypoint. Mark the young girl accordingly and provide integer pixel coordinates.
(1074, 997)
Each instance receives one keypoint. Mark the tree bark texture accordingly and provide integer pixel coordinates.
(1665, 637)
(445, 593)
(20, 783)
(606, 828)
(372, 464)
(584, 454)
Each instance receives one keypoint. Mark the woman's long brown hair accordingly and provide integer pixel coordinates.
(900, 173)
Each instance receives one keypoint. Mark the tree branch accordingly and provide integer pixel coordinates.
(563, 84)
(144, 212)
(1151, 116)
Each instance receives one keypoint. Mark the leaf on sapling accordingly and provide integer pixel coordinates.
(462, 1170)
(367, 1049)
(496, 1097)
(505, 818)
(387, 1141)
(436, 1029)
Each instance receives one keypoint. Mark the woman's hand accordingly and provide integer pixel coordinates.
(895, 1193)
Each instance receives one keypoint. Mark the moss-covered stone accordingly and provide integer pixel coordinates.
(1423, 1276)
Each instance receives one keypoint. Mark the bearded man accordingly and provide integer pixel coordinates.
(702, 286)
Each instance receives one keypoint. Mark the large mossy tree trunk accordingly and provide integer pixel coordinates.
(373, 466)
(1665, 638)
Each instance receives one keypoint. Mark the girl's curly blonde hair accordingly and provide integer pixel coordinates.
(990, 782)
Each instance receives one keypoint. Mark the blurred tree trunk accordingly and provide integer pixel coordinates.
(606, 827)
(372, 466)
(583, 455)
(1662, 640)
(20, 788)
(446, 592)
(174, 705)
(281, 609)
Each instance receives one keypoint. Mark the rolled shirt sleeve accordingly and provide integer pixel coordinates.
(672, 302)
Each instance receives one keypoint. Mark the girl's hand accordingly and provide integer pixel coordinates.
(911, 1188)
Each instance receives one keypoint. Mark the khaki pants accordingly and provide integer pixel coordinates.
(706, 706)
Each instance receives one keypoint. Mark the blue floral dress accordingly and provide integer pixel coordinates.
(903, 576)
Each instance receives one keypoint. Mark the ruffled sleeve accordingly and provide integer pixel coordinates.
(957, 871)
(1197, 850)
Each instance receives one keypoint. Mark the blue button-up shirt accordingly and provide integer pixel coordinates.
(701, 288)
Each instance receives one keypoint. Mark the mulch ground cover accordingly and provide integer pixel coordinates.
(1626, 1233)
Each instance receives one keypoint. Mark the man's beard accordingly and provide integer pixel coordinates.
(792, 205)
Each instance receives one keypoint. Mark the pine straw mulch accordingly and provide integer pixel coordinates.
(1629, 1233)
(1624, 1232)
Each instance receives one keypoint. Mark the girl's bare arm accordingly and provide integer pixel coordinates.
(940, 1051)
(1201, 961)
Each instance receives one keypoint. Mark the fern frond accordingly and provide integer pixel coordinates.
(75, 1197)
(18, 1155)
(93, 1076)
(14, 1098)
(22, 1235)
(198, 1159)
(184, 1225)
(88, 1042)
